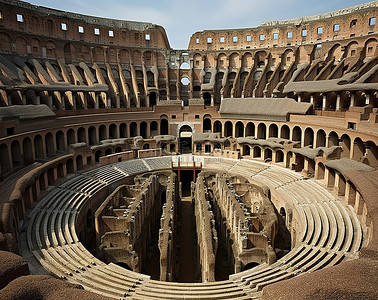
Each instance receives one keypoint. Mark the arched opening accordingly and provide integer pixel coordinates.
(250, 129)
(308, 137)
(92, 135)
(228, 129)
(207, 98)
(239, 129)
(217, 127)
(256, 152)
(123, 130)
(185, 145)
(285, 132)
(118, 149)
(38, 145)
(283, 213)
(320, 138)
(79, 162)
(246, 150)
(268, 153)
(28, 150)
(153, 128)
(297, 134)
(108, 151)
(279, 156)
(59, 139)
(333, 139)
(207, 125)
(321, 171)
(146, 146)
(102, 132)
(70, 137)
(16, 154)
(250, 265)
(273, 131)
(261, 131)
(112, 131)
(345, 146)
(143, 129)
(81, 135)
(164, 126)
(358, 149)
(133, 129)
(311, 168)
(49, 143)
(152, 98)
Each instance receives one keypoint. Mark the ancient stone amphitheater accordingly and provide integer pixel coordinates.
(243, 167)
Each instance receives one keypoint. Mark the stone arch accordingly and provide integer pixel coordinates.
(246, 150)
(49, 143)
(143, 129)
(38, 146)
(17, 160)
(250, 129)
(345, 144)
(308, 137)
(21, 46)
(234, 60)
(273, 130)
(320, 138)
(371, 47)
(333, 139)
(239, 129)
(81, 135)
(217, 127)
(228, 129)
(358, 149)
(153, 128)
(321, 171)
(297, 134)
(92, 135)
(206, 123)
(123, 130)
(112, 131)
(279, 156)
(285, 132)
(164, 127)
(256, 152)
(221, 60)
(102, 132)
(70, 136)
(261, 131)
(27, 149)
(133, 129)
(247, 59)
(59, 141)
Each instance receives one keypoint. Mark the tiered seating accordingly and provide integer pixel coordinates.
(159, 163)
(330, 233)
(222, 164)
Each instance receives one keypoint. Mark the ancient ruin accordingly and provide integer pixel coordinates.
(242, 167)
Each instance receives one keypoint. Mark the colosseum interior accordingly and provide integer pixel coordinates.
(243, 167)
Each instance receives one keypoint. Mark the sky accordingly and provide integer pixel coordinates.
(183, 18)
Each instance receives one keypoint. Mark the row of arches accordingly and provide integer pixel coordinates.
(24, 150)
(356, 148)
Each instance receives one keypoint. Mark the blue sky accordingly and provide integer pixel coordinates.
(182, 18)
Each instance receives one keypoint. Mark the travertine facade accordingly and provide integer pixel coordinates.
(290, 105)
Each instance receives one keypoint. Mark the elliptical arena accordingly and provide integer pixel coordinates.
(243, 167)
